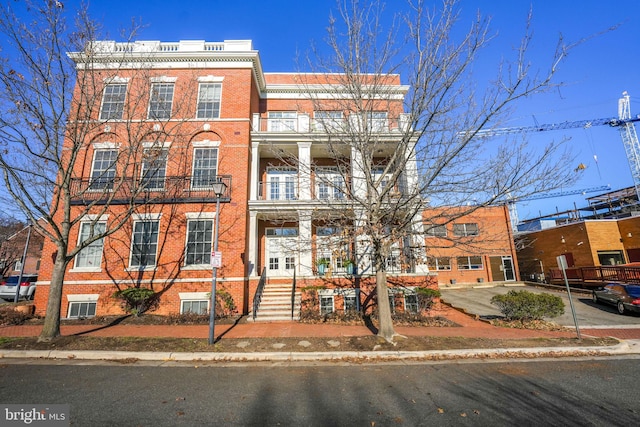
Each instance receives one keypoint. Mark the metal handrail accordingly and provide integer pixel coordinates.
(258, 296)
(293, 294)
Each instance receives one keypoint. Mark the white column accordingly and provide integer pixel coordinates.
(255, 171)
(363, 246)
(419, 250)
(304, 244)
(304, 170)
(358, 177)
(252, 250)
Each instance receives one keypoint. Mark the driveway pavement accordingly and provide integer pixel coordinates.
(476, 301)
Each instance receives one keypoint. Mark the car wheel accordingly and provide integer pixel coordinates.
(594, 298)
(621, 308)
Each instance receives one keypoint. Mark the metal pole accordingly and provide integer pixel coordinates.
(212, 310)
(573, 311)
(24, 260)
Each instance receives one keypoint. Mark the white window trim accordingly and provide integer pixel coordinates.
(200, 215)
(105, 145)
(198, 99)
(197, 216)
(326, 293)
(80, 298)
(210, 79)
(83, 297)
(146, 216)
(205, 144)
(411, 290)
(96, 220)
(194, 296)
(163, 79)
(151, 144)
(116, 80)
(93, 163)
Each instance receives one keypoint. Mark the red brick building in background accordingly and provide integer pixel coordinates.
(207, 111)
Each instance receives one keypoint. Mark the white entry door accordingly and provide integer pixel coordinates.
(281, 249)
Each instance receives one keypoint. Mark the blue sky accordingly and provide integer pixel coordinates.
(594, 76)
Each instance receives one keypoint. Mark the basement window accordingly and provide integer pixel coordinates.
(82, 306)
(326, 301)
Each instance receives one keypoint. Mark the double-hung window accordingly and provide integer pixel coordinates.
(154, 168)
(327, 305)
(161, 101)
(329, 184)
(205, 167)
(329, 121)
(144, 243)
(282, 121)
(103, 171)
(91, 255)
(380, 178)
(469, 229)
(199, 241)
(411, 302)
(209, 100)
(377, 121)
(113, 101)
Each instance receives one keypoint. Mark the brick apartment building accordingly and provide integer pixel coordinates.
(208, 113)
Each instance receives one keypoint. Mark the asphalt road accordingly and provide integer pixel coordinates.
(599, 392)
(477, 301)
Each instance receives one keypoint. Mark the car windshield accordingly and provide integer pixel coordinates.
(634, 291)
(11, 280)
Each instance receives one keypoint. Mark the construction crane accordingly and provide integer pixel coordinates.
(624, 122)
(513, 211)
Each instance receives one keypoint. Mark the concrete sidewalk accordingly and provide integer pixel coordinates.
(468, 327)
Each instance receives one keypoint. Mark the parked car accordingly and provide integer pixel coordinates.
(27, 287)
(624, 297)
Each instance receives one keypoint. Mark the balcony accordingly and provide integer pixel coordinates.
(302, 123)
(270, 190)
(171, 189)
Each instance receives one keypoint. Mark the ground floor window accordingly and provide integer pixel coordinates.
(326, 302)
(81, 306)
(82, 309)
(194, 302)
(350, 301)
(611, 257)
(195, 307)
(469, 263)
(439, 263)
(411, 302)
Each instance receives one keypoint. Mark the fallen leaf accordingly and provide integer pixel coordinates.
(440, 411)
(463, 414)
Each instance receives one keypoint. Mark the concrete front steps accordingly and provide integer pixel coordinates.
(275, 305)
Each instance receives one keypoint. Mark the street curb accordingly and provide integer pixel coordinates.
(504, 353)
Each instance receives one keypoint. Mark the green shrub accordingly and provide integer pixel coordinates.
(137, 300)
(525, 305)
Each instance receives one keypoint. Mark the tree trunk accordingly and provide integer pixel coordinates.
(385, 328)
(51, 328)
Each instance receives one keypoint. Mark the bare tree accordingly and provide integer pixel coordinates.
(62, 95)
(9, 250)
(404, 147)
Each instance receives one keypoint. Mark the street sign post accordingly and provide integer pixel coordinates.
(562, 265)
